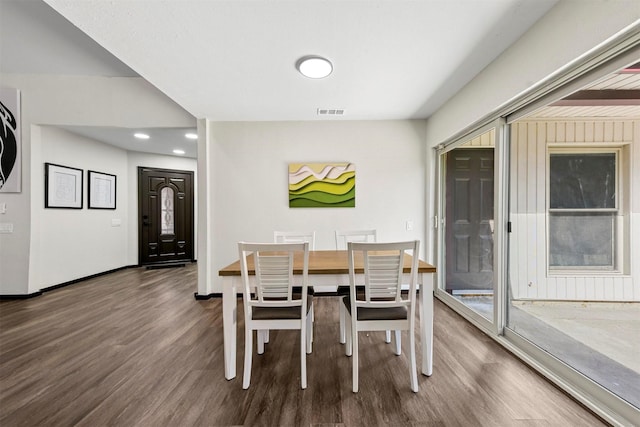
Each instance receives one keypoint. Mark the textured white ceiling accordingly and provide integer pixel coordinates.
(34, 39)
(235, 60)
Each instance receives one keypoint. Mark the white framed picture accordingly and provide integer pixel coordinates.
(102, 190)
(63, 187)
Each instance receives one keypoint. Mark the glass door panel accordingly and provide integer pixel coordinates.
(469, 224)
(571, 279)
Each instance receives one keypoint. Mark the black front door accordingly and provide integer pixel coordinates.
(469, 220)
(165, 206)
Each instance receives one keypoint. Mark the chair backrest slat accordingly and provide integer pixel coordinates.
(383, 275)
(273, 274)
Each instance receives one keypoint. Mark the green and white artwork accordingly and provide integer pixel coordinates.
(322, 185)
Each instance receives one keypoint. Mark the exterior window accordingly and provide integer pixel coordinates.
(583, 210)
(167, 214)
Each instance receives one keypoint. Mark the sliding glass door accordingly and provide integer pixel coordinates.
(537, 231)
(572, 281)
(467, 224)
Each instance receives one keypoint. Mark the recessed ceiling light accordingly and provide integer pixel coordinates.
(140, 135)
(314, 67)
(178, 151)
(191, 135)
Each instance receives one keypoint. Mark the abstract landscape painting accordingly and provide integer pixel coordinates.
(322, 185)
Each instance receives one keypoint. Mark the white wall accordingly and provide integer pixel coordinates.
(249, 184)
(67, 100)
(75, 243)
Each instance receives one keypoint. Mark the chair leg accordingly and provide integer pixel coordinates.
(342, 310)
(313, 319)
(387, 337)
(398, 342)
(355, 357)
(262, 339)
(309, 334)
(304, 342)
(412, 361)
(248, 354)
(348, 348)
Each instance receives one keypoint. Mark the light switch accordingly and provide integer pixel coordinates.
(3, 208)
(409, 225)
(6, 227)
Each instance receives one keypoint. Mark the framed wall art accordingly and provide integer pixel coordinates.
(62, 187)
(322, 185)
(10, 141)
(102, 190)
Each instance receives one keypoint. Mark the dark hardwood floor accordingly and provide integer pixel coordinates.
(134, 348)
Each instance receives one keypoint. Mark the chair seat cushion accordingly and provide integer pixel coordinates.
(382, 313)
(274, 313)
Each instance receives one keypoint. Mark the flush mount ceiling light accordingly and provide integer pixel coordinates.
(178, 151)
(140, 135)
(314, 67)
(191, 135)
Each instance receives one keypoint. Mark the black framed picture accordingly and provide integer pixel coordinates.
(63, 187)
(102, 190)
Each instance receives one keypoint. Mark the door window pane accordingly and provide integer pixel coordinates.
(167, 214)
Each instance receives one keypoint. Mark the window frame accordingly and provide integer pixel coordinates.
(617, 227)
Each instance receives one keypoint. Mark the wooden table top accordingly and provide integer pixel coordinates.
(326, 262)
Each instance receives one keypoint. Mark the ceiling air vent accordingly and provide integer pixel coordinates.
(330, 112)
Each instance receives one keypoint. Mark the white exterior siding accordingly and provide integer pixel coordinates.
(486, 140)
(529, 277)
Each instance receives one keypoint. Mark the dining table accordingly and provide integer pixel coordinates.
(326, 268)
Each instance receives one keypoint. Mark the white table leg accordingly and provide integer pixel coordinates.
(229, 322)
(426, 322)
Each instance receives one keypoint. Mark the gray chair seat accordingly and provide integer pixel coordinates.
(382, 313)
(270, 313)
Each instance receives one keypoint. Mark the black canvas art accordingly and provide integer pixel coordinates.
(8, 144)
(9, 141)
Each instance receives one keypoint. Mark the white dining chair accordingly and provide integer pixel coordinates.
(270, 302)
(382, 305)
(343, 237)
(296, 237)
(289, 237)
